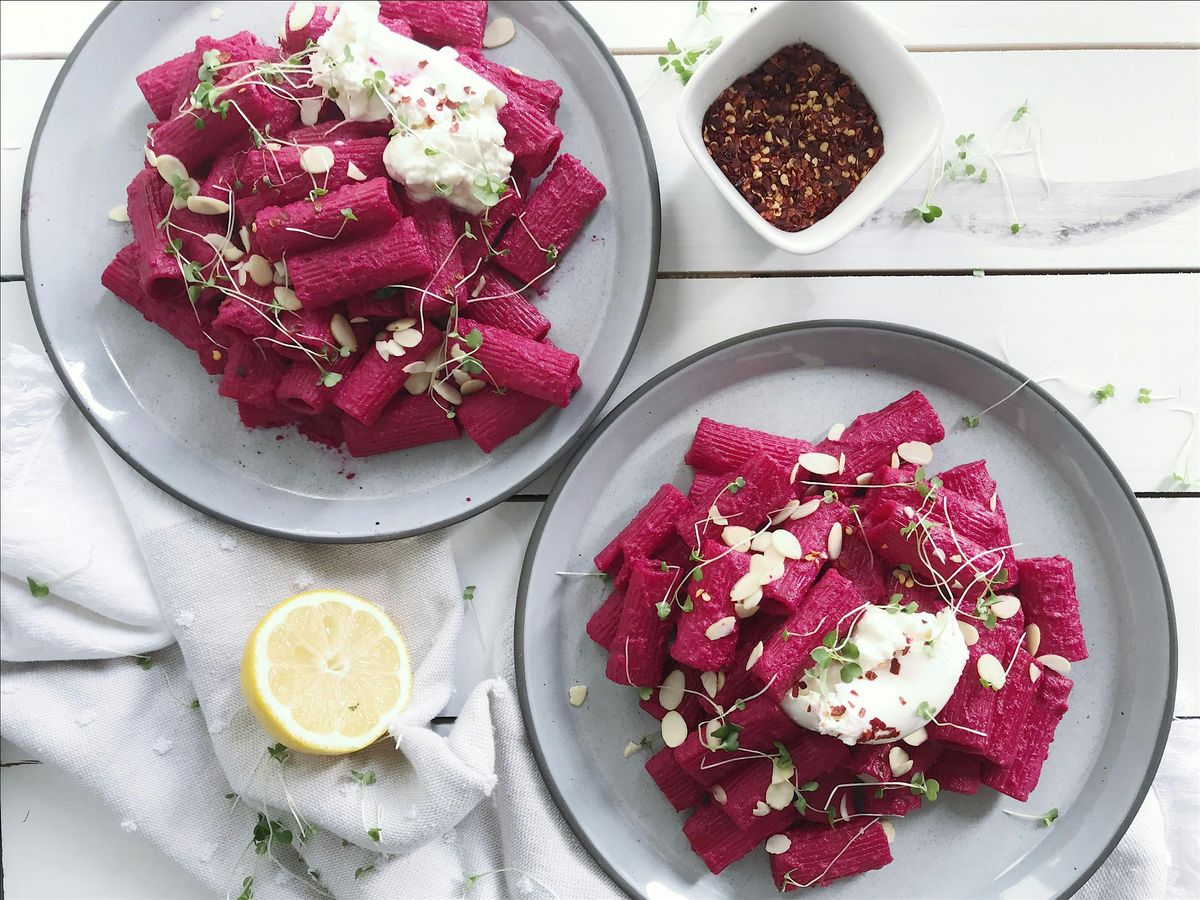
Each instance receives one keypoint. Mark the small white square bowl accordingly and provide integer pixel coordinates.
(864, 46)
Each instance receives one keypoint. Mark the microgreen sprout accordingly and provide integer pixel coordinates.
(972, 421)
(1021, 111)
(728, 735)
(278, 752)
(365, 777)
(469, 592)
(645, 693)
(1101, 394)
(363, 871)
(37, 588)
(143, 661)
(247, 889)
(268, 832)
(1182, 476)
(1047, 818)
(373, 834)
(925, 787)
(469, 881)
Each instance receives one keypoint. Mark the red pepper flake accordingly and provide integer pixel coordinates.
(870, 676)
(894, 666)
(836, 712)
(795, 137)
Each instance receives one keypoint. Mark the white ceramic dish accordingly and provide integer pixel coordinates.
(1062, 494)
(865, 48)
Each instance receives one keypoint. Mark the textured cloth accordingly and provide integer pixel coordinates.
(468, 803)
(167, 745)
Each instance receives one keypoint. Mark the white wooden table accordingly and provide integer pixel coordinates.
(1102, 286)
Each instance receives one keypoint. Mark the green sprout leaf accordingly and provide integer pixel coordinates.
(971, 421)
(645, 693)
(143, 661)
(373, 834)
(362, 871)
(348, 215)
(1022, 110)
(474, 339)
(1048, 819)
(37, 588)
(1103, 393)
(925, 710)
(850, 671)
(330, 379)
(469, 592)
(247, 888)
(365, 777)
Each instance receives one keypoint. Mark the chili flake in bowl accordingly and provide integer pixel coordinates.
(795, 136)
(788, 119)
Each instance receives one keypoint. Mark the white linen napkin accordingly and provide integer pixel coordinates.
(152, 571)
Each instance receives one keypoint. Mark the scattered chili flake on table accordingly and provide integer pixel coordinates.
(795, 136)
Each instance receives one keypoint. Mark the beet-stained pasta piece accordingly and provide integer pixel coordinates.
(718, 447)
(303, 390)
(353, 211)
(251, 375)
(490, 418)
(517, 363)
(602, 626)
(532, 137)
(458, 24)
(399, 26)
(681, 791)
(374, 381)
(271, 177)
(326, 275)
(706, 636)
(148, 199)
(435, 294)
(553, 216)
(261, 417)
(305, 22)
(645, 532)
(820, 855)
(1047, 591)
(493, 301)
(406, 422)
(542, 95)
(1046, 710)
(639, 646)
(161, 84)
(717, 841)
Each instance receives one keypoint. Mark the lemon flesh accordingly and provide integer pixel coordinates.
(326, 672)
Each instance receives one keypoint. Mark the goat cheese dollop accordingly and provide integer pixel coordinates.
(448, 142)
(907, 660)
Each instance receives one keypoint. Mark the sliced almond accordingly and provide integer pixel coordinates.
(918, 453)
(761, 542)
(151, 158)
(472, 386)
(744, 612)
(316, 160)
(778, 843)
(786, 544)
(785, 512)
(760, 809)
(991, 670)
(577, 694)
(721, 628)
(1035, 672)
(674, 729)
(207, 206)
(779, 796)
(755, 656)
(917, 738)
(409, 337)
(179, 197)
(385, 353)
(895, 461)
(670, 695)
(969, 632)
(1033, 639)
(774, 567)
(708, 680)
(834, 544)
(343, 333)
(745, 586)
(1053, 661)
(781, 774)
(889, 830)
(795, 472)
(460, 378)
(836, 430)
(819, 463)
(992, 502)
(900, 762)
(865, 478)
(301, 15)
(499, 32)
(287, 299)
(1006, 607)
(419, 383)
(718, 794)
(259, 269)
(715, 516)
(630, 749)
(170, 168)
(395, 349)
(414, 368)
(751, 602)
(404, 325)
(119, 213)
(807, 508)
(841, 463)
(244, 234)
(361, 320)
(354, 173)
(736, 536)
(447, 392)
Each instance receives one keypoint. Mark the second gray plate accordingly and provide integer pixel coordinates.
(151, 401)
(1062, 495)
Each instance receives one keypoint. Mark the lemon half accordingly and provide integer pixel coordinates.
(326, 672)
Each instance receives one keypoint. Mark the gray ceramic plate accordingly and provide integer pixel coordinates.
(1062, 495)
(151, 401)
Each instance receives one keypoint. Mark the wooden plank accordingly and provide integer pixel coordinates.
(1122, 197)
(1016, 23)
(1176, 524)
(925, 25)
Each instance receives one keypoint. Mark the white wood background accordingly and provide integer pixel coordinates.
(1102, 285)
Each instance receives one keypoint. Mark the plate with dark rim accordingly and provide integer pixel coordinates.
(151, 402)
(1062, 494)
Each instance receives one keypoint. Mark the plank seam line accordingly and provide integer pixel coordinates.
(1136, 46)
(956, 273)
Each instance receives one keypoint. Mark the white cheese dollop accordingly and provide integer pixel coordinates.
(901, 670)
(449, 142)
